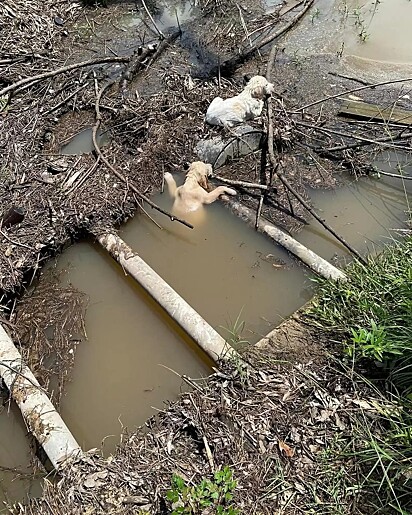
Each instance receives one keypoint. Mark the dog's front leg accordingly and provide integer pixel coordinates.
(171, 184)
(215, 194)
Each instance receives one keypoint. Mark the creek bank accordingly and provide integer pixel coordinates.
(140, 129)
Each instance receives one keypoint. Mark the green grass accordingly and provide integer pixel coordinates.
(371, 316)
(371, 313)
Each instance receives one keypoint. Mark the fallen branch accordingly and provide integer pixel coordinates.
(243, 184)
(337, 95)
(25, 83)
(383, 142)
(285, 182)
(138, 61)
(116, 172)
(366, 141)
(228, 66)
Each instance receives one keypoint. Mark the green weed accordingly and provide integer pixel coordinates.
(371, 314)
(216, 492)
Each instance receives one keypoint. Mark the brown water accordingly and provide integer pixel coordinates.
(119, 378)
(16, 471)
(82, 142)
(224, 269)
(220, 268)
(379, 30)
(367, 212)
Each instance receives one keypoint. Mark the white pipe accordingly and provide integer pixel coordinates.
(307, 256)
(38, 412)
(189, 319)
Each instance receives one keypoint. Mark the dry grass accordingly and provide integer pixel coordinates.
(281, 429)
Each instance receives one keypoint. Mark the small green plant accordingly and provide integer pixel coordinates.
(315, 14)
(216, 492)
(235, 331)
(370, 343)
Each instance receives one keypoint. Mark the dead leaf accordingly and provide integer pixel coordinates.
(288, 451)
(364, 404)
(94, 480)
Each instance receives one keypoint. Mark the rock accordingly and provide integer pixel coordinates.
(58, 165)
(217, 151)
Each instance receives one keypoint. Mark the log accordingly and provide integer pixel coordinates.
(38, 412)
(184, 315)
(366, 111)
(316, 263)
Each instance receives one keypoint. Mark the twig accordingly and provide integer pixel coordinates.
(24, 83)
(230, 65)
(286, 183)
(209, 454)
(18, 373)
(118, 174)
(379, 141)
(185, 378)
(259, 211)
(16, 242)
(369, 86)
(147, 214)
(64, 101)
(355, 79)
(297, 195)
(364, 141)
(242, 184)
(396, 175)
(162, 36)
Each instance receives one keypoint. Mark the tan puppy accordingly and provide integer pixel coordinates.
(192, 194)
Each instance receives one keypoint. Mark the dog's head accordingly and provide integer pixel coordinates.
(200, 171)
(259, 87)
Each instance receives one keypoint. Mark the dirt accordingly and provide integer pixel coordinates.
(277, 421)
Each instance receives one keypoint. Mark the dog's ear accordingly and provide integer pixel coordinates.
(246, 79)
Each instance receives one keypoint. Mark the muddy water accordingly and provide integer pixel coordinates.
(119, 376)
(225, 270)
(16, 481)
(379, 30)
(82, 142)
(166, 15)
(367, 212)
(359, 31)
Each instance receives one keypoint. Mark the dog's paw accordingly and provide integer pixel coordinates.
(168, 175)
(231, 192)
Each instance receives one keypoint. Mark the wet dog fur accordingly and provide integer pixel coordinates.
(193, 194)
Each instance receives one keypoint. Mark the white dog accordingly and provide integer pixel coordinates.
(245, 106)
(192, 194)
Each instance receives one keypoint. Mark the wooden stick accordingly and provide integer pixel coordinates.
(242, 184)
(231, 64)
(286, 183)
(162, 36)
(368, 141)
(116, 172)
(24, 83)
(337, 95)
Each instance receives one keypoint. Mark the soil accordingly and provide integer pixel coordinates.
(276, 420)
(273, 425)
